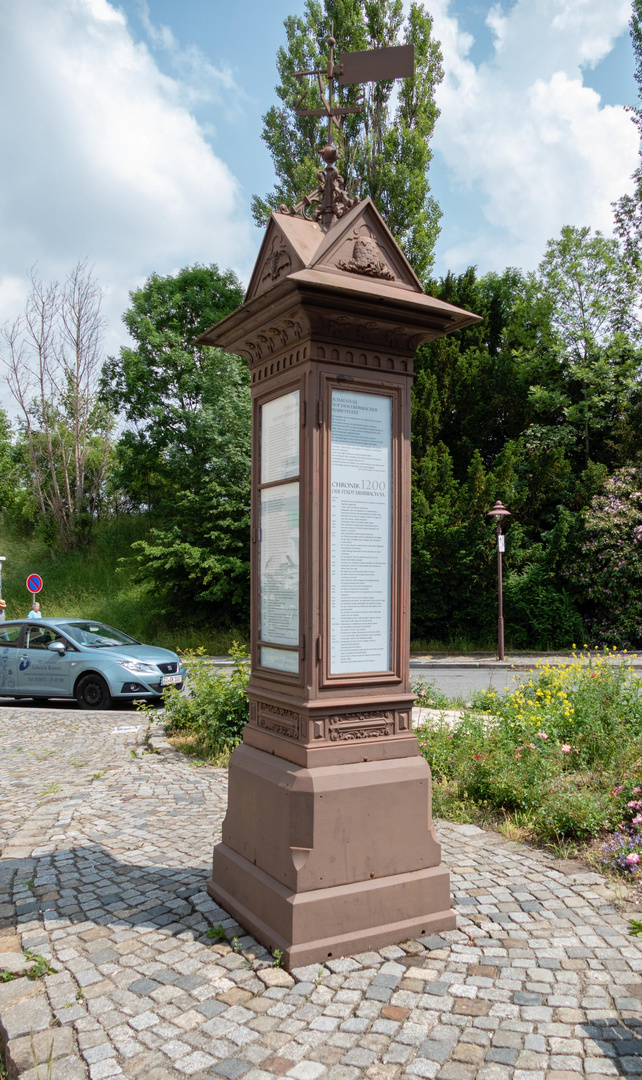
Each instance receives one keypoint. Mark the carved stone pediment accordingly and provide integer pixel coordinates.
(366, 257)
(361, 244)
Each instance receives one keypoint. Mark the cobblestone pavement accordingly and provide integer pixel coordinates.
(103, 872)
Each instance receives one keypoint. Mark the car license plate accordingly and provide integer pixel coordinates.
(167, 680)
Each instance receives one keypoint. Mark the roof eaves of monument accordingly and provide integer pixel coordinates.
(368, 289)
(279, 297)
(364, 209)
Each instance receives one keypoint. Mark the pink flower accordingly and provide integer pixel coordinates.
(634, 805)
(635, 790)
(518, 755)
(565, 748)
(542, 735)
(637, 820)
(531, 746)
(633, 858)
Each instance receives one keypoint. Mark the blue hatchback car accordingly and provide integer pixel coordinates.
(81, 658)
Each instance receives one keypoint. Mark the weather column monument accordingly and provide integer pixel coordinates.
(328, 846)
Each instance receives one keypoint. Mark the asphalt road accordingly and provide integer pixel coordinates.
(455, 676)
(463, 681)
(451, 679)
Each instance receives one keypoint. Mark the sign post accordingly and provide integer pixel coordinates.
(328, 846)
(499, 512)
(34, 585)
(3, 558)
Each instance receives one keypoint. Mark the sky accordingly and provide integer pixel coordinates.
(131, 133)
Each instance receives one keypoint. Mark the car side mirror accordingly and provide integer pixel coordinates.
(57, 646)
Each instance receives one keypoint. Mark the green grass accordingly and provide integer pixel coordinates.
(96, 583)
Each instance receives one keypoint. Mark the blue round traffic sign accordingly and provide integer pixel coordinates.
(34, 583)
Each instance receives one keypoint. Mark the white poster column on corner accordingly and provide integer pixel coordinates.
(360, 532)
(279, 533)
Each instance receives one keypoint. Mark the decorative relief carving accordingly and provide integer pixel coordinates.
(279, 721)
(343, 328)
(279, 337)
(355, 726)
(366, 257)
(276, 261)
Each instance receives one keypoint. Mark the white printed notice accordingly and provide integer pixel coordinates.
(360, 532)
(279, 532)
(280, 438)
(279, 559)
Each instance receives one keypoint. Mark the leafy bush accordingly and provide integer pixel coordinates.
(576, 813)
(211, 717)
(561, 750)
(608, 577)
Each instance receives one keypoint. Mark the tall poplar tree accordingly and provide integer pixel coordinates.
(628, 209)
(384, 151)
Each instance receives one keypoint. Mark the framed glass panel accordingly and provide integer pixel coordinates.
(281, 659)
(360, 532)
(279, 564)
(280, 438)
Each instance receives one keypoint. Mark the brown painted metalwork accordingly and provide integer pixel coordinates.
(396, 62)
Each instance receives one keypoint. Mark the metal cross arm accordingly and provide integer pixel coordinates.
(371, 65)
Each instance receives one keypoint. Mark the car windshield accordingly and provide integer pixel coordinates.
(97, 635)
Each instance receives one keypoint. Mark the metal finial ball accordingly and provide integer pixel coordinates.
(332, 41)
(329, 154)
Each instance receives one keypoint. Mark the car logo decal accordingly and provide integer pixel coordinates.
(24, 664)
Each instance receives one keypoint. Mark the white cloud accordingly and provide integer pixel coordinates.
(102, 158)
(522, 137)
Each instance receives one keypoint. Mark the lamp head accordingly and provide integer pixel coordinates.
(499, 511)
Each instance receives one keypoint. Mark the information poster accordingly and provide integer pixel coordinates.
(279, 532)
(279, 564)
(280, 438)
(360, 532)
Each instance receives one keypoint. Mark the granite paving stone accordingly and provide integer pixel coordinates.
(105, 860)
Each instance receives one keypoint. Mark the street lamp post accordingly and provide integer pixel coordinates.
(499, 511)
(2, 559)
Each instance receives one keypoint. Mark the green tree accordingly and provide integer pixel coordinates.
(186, 454)
(11, 487)
(196, 559)
(607, 577)
(158, 383)
(591, 292)
(384, 151)
(628, 209)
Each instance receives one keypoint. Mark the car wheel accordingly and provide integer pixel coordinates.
(92, 693)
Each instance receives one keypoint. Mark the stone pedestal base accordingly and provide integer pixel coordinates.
(323, 862)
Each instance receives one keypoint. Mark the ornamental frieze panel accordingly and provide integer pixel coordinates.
(380, 333)
(278, 721)
(352, 727)
(280, 336)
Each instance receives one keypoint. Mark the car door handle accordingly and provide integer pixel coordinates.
(24, 657)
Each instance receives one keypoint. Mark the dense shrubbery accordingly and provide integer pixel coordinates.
(609, 579)
(209, 719)
(551, 752)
